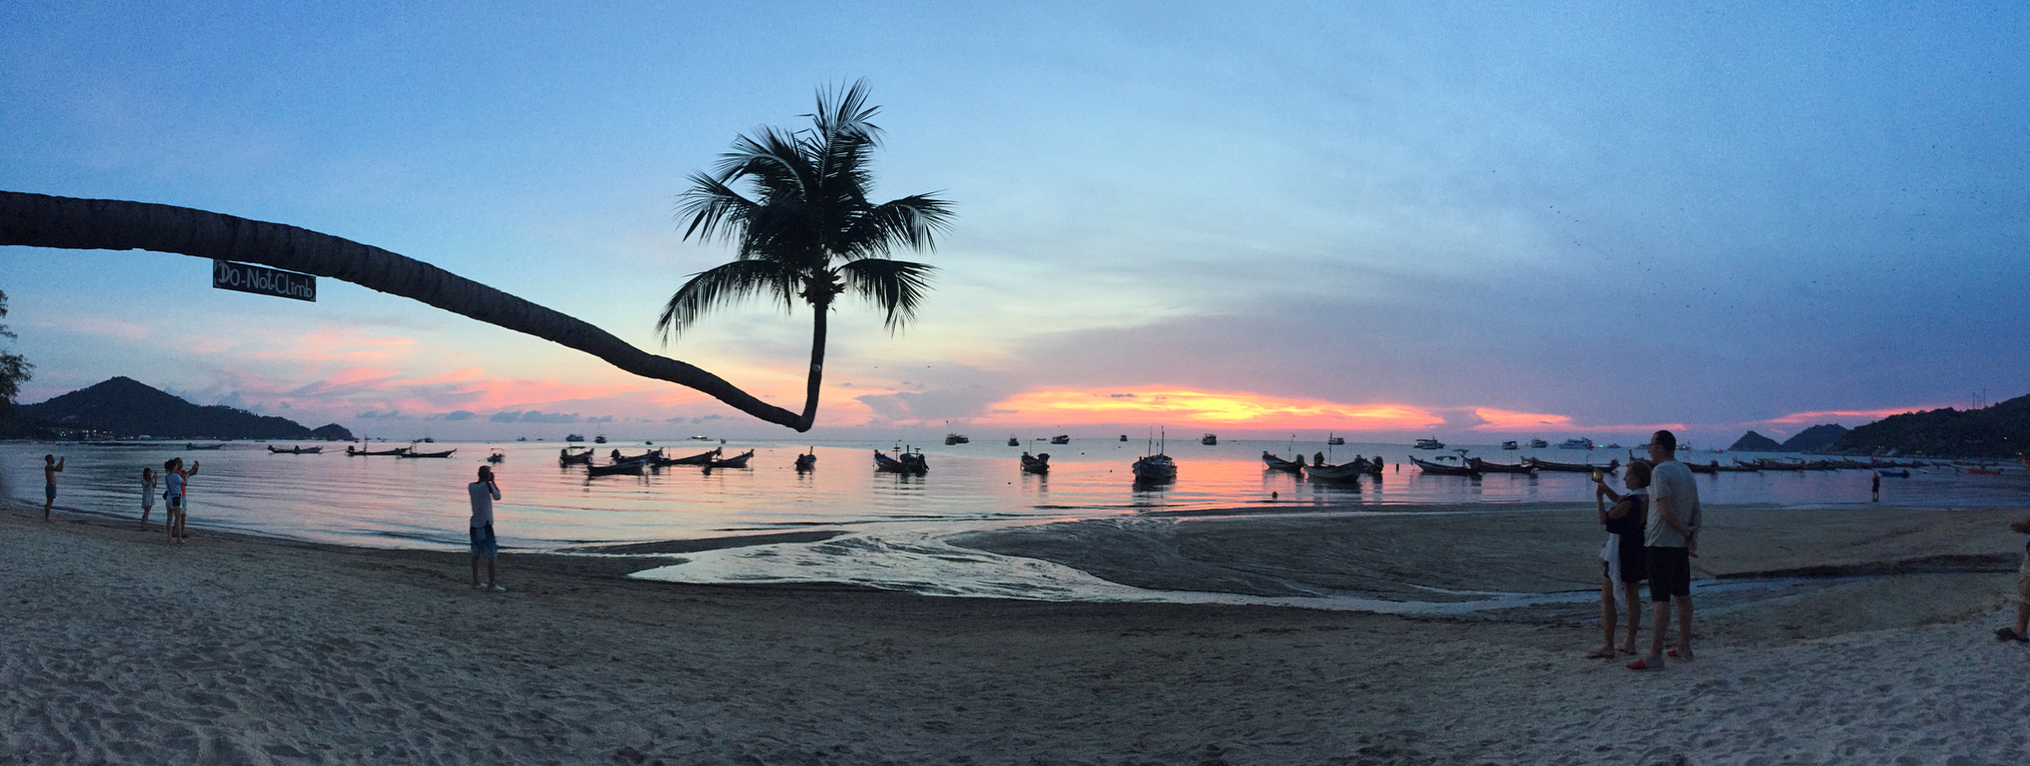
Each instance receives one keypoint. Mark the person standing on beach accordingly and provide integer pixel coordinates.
(177, 482)
(1671, 537)
(483, 493)
(2021, 632)
(51, 466)
(147, 494)
(1875, 488)
(1624, 562)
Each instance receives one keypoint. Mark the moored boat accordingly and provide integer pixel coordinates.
(294, 450)
(951, 439)
(1038, 464)
(906, 461)
(1486, 467)
(372, 453)
(413, 453)
(807, 461)
(1441, 469)
(1334, 441)
(1278, 464)
(574, 456)
(737, 461)
(1510, 444)
(1061, 439)
(1209, 439)
(1548, 465)
(1576, 443)
(1428, 444)
(1539, 444)
(1341, 472)
(701, 458)
(1154, 468)
(631, 468)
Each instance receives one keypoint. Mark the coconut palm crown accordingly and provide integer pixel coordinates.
(805, 229)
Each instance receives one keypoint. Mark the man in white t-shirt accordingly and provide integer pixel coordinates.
(1672, 539)
(484, 546)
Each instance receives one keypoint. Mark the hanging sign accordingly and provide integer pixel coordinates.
(247, 278)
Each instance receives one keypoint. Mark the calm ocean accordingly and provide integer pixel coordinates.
(894, 524)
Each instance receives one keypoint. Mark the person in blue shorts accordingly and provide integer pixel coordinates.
(483, 493)
(51, 466)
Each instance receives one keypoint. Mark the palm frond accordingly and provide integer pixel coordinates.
(723, 285)
(896, 287)
(912, 221)
(714, 208)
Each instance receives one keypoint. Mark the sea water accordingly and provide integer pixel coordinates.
(892, 528)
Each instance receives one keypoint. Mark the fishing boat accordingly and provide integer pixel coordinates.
(1441, 469)
(1510, 444)
(1154, 468)
(203, 446)
(702, 458)
(1539, 444)
(1578, 443)
(294, 450)
(1014, 442)
(1124, 437)
(951, 439)
(413, 453)
(631, 469)
(1278, 464)
(574, 456)
(737, 461)
(1038, 464)
(349, 451)
(497, 457)
(1487, 467)
(807, 461)
(1341, 472)
(1428, 444)
(1334, 441)
(600, 439)
(574, 437)
(647, 457)
(1547, 465)
(1061, 439)
(906, 461)
(1209, 440)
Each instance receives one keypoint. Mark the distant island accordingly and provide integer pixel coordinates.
(124, 408)
(1754, 442)
(1817, 438)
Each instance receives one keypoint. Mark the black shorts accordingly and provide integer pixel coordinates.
(1670, 573)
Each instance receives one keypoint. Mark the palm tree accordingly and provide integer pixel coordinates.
(39, 220)
(806, 229)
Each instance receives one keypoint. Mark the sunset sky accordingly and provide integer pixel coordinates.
(1479, 221)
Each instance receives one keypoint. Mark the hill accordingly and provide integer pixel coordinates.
(2002, 430)
(1815, 438)
(123, 407)
(1754, 442)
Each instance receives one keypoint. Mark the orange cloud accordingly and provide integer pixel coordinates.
(1825, 415)
(1201, 407)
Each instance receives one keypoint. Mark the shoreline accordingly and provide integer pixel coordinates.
(230, 648)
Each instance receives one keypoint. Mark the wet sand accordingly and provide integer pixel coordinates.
(123, 648)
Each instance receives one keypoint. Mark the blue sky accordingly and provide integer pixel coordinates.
(1478, 220)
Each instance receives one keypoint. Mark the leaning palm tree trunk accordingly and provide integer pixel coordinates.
(37, 220)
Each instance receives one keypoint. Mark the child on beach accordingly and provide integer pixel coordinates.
(2021, 632)
(51, 466)
(1623, 562)
(483, 493)
(147, 494)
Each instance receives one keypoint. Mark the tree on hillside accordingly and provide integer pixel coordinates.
(13, 369)
(795, 204)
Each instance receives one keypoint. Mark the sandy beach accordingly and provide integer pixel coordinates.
(1874, 646)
